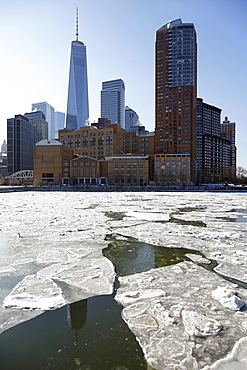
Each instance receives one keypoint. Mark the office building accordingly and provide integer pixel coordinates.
(77, 101)
(107, 139)
(20, 144)
(113, 101)
(228, 131)
(37, 118)
(128, 169)
(3, 159)
(209, 145)
(59, 122)
(48, 111)
(131, 118)
(4, 147)
(91, 141)
(176, 93)
(216, 151)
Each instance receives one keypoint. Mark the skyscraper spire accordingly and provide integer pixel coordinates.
(77, 100)
(77, 32)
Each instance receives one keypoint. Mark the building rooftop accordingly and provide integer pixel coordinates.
(49, 142)
(175, 23)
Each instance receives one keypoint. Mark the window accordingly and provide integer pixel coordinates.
(47, 175)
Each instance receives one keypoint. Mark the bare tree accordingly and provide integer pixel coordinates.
(241, 175)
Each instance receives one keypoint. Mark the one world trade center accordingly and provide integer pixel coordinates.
(77, 102)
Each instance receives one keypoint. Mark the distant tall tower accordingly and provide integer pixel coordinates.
(77, 101)
(113, 101)
(176, 101)
(4, 147)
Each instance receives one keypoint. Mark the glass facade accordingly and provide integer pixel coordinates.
(20, 144)
(77, 101)
(113, 101)
(48, 111)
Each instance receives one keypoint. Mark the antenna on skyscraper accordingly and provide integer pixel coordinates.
(77, 32)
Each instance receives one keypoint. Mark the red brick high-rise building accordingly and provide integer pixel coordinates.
(176, 100)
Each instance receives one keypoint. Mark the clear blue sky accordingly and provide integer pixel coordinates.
(119, 34)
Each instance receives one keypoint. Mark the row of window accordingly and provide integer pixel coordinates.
(116, 164)
(134, 170)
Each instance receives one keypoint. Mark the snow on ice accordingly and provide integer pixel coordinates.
(185, 319)
(35, 292)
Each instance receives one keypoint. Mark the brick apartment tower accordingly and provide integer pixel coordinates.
(176, 101)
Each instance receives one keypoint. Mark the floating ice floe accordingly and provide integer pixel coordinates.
(35, 292)
(220, 235)
(62, 255)
(48, 227)
(234, 271)
(7, 269)
(228, 298)
(94, 276)
(148, 216)
(134, 296)
(185, 327)
(198, 258)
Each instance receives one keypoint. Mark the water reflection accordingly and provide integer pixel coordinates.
(131, 256)
(89, 334)
(77, 314)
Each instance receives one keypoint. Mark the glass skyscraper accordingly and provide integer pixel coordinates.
(113, 101)
(20, 144)
(48, 111)
(77, 101)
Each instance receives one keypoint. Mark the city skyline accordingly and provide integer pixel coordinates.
(35, 62)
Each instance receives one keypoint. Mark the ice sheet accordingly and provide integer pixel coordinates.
(186, 319)
(58, 235)
(35, 292)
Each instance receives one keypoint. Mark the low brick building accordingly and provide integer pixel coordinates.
(51, 162)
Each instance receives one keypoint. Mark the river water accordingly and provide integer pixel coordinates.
(139, 233)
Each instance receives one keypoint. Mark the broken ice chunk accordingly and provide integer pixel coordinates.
(35, 292)
(94, 276)
(148, 216)
(236, 360)
(7, 269)
(228, 298)
(199, 325)
(134, 296)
